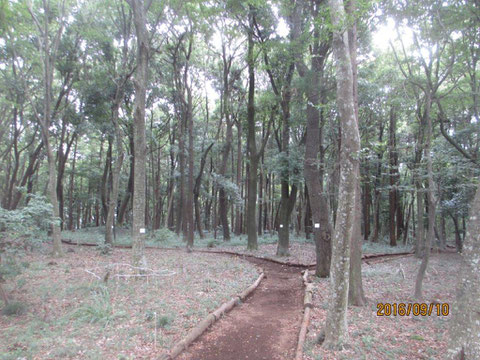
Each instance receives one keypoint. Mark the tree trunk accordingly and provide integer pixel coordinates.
(393, 177)
(117, 167)
(458, 238)
(431, 204)
(355, 290)
(72, 188)
(49, 58)
(465, 324)
(240, 183)
(191, 156)
(128, 194)
(251, 141)
(138, 207)
(420, 226)
(336, 330)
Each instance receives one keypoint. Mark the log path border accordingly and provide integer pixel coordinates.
(307, 306)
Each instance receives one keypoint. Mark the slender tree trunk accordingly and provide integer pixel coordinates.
(336, 330)
(117, 168)
(104, 186)
(393, 176)
(33, 163)
(366, 205)
(431, 204)
(465, 324)
(128, 194)
(72, 188)
(238, 207)
(49, 58)
(191, 156)
(355, 291)
(376, 191)
(419, 245)
(458, 238)
(139, 138)
(251, 141)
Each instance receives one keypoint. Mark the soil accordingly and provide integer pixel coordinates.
(264, 327)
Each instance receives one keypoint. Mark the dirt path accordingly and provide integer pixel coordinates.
(265, 327)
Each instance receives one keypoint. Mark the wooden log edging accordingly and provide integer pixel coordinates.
(225, 252)
(365, 257)
(307, 306)
(198, 330)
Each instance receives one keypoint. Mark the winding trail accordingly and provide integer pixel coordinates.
(267, 324)
(265, 327)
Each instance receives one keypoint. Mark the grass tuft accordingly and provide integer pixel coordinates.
(15, 308)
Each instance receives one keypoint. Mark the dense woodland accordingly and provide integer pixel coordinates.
(340, 122)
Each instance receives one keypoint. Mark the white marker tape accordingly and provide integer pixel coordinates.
(142, 230)
(281, 226)
(317, 226)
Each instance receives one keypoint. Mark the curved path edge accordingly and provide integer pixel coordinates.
(198, 330)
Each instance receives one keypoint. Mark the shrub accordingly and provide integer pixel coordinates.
(162, 235)
(23, 229)
(14, 308)
(164, 321)
(104, 249)
(99, 310)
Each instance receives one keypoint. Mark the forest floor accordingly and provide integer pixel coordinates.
(302, 250)
(265, 327)
(73, 314)
(66, 312)
(375, 337)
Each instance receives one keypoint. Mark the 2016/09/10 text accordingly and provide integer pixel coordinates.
(415, 309)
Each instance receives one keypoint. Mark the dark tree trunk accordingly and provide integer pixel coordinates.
(251, 140)
(139, 136)
(72, 189)
(393, 177)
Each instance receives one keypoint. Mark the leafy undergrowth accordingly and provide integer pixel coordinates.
(392, 337)
(69, 313)
(302, 250)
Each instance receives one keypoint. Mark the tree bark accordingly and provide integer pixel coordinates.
(49, 58)
(139, 138)
(431, 203)
(118, 163)
(393, 177)
(356, 294)
(251, 141)
(336, 330)
(465, 324)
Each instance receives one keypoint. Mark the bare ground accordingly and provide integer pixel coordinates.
(375, 337)
(70, 314)
(265, 327)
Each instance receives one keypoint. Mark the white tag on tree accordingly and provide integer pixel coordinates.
(317, 226)
(142, 230)
(281, 226)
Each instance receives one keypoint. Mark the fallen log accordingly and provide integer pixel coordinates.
(307, 305)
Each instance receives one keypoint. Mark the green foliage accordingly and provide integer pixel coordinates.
(104, 248)
(29, 224)
(100, 310)
(23, 229)
(15, 308)
(164, 321)
(231, 189)
(287, 166)
(212, 244)
(162, 235)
